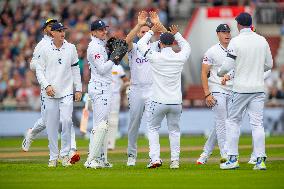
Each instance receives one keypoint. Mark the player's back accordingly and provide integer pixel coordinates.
(251, 50)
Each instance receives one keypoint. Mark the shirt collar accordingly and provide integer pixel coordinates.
(223, 48)
(245, 30)
(97, 40)
(61, 48)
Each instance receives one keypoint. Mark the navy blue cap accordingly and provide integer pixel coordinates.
(57, 26)
(97, 25)
(223, 28)
(48, 21)
(244, 19)
(167, 38)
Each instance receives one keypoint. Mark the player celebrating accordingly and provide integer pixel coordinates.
(249, 55)
(39, 125)
(100, 91)
(166, 70)
(140, 82)
(216, 94)
(57, 70)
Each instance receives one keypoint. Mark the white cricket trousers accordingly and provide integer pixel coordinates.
(113, 119)
(219, 131)
(253, 103)
(100, 94)
(58, 110)
(39, 126)
(157, 113)
(138, 99)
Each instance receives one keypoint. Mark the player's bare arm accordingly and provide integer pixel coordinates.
(209, 99)
(142, 18)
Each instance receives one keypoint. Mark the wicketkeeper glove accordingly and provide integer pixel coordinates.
(120, 48)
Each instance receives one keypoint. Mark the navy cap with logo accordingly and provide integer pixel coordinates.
(48, 21)
(244, 19)
(57, 26)
(97, 25)
(167, 38)
(223, 28)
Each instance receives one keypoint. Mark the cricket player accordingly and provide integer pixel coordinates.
(118, 78)
(216, 94)
(57, 71)
(39, 125)
(100, 91)
(166, 99)
(140, 81)
(249, 55)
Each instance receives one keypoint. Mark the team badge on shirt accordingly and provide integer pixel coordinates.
(97, 56)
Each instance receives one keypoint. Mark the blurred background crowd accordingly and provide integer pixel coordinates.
(20, 31)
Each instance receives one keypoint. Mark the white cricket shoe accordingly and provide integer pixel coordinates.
(203, 158)
(107, 164)
(252, 161)
(27, 141)
(52, 163)
(65, 161)
(155, 164)
(131, 161)
(230, 165)
(260, 164)
(94, 164)
(174, 164)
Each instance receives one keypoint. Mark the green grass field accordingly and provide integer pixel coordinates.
(29, 169)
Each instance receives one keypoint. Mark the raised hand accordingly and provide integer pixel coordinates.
(154, 17)
(174, 29)
(142, 18)
(158, 27)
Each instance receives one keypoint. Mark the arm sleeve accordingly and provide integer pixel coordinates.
(268, 59)
(229, 62)
(40, 70)
(35, 58)
(76, 70)
(266, 74)
(143, 47)
(231, 73)
(99, 62)
(208, 59)
(184, 46)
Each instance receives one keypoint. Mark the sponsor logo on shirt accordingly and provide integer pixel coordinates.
(141, 60)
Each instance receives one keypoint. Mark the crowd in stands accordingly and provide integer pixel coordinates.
(20, 31)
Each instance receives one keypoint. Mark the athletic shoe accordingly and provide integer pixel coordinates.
(224, 159)
(27, 141)
(66, 161)
(94, 164)
(260, 164)
(52, 163)
(107, 164)
(252, 161)
(74, 156)
(131, 161)
(174, 164)
(202, 159)
(155, 164)
(229, 164)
